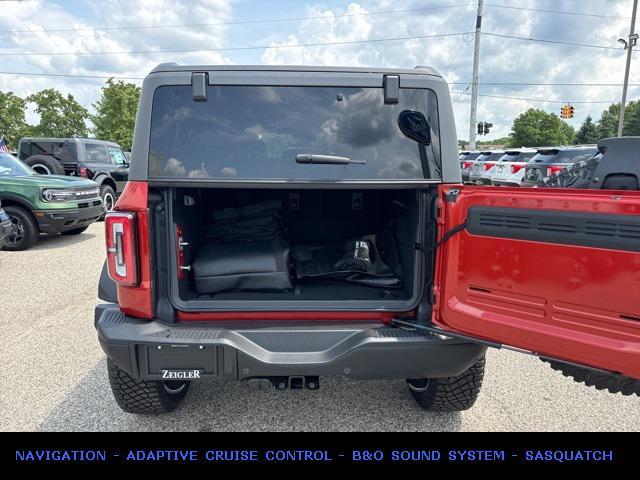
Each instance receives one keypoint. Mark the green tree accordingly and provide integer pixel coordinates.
(537, 128)
(608, 123)
(631, 119)
(588, 132)
(116, 112)
(12, 121)
(60, 116)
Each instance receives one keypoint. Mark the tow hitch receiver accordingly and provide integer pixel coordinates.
(297, 382)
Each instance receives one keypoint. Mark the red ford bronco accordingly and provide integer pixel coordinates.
(287, 223)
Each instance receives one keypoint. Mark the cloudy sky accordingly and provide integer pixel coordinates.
(68, 34)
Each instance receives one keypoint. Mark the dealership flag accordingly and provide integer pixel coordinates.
(4, 145)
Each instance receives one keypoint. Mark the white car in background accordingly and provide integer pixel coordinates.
(509, 169)
(480, 171)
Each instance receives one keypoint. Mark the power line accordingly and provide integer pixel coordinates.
(239, 22)
(228, 49)
(543, 100)
(461, 93)
(555, 42)
(302, 45)
(561, 12)
(69, 75)
(544, 84)
(485, 84)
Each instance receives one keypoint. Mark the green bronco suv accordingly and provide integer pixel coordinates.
(44, 203)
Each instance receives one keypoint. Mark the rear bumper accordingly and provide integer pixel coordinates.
(145, 348)
(480, 180)
(503, 182)
(528, 184)
(52, 221)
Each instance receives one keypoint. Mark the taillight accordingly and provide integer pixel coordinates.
(516, 168)
(122, 247)
(467, 164)
(552, 170)
(488, 166)
(84, 172)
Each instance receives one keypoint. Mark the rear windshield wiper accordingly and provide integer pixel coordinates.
(326, 159)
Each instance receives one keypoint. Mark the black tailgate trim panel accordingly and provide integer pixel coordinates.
(611, 231)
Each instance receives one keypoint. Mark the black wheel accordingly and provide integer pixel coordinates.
(611, 382)
(75, 231)
(449, 394)
(45, 165)
(144, 397)
(24, 231)
(108, 197)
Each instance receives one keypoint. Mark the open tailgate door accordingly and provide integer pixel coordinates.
(552, 271)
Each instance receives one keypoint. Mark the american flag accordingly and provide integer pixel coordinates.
(4, 145)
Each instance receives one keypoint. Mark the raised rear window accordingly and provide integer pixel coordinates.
(257, 132)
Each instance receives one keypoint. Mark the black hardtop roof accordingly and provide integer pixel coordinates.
(632, 144)
(564, 148)
(174, 67)
(70, 139)
(515, 151)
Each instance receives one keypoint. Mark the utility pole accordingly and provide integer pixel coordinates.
(633, 39)
(474, 81)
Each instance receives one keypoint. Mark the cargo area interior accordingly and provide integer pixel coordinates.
(329, 248)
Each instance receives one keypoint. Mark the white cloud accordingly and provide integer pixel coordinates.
(502, 60)
(21, 16)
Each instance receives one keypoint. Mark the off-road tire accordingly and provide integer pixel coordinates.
(449, 394)
(612, 382)
(48, 165)
(75, 231)
(144, 397)
(21, 218)
(108, 195)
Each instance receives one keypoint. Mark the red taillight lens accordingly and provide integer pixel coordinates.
(84, 172)
(467, 164)
(488, 165)
(552, 170)
(516, 168)
(122, 247)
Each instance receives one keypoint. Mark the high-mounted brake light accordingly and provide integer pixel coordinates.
(552, 170)
(516, 168)
(122, 247)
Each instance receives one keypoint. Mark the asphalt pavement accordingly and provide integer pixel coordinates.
(54, 376)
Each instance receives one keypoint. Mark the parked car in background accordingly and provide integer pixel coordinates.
(479, 173)
(44, 203)
(614, 167)
(466, 162)
(5, 225)
(509, 169)
(555, 159)
(98, 160)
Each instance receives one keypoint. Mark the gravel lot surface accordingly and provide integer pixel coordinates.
(54, 373)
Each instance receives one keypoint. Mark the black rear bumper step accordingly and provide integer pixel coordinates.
(144, 349)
